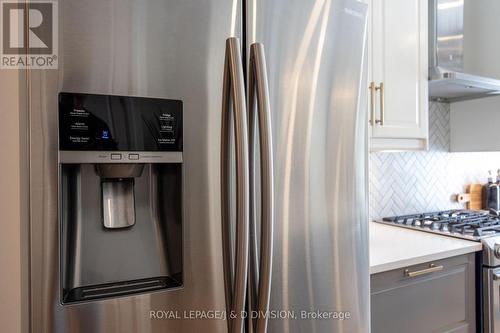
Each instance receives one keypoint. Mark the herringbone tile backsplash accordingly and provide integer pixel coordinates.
(405, 183)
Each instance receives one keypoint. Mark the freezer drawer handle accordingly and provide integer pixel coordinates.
(235, 265)
(432, 268)
(258, 100)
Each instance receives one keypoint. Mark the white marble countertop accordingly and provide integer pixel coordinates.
(394, 247)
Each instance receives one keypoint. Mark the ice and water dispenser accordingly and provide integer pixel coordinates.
(120, 195)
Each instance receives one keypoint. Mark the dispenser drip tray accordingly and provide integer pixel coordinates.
(120, 289)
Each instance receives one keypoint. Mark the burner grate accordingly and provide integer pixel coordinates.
(472, 224)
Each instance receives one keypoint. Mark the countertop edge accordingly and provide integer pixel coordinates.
(474, 247)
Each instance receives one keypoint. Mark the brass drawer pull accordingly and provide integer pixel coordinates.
(432, 268)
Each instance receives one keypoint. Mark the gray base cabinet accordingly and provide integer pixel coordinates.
(433, 297)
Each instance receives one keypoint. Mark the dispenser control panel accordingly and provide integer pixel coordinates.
(92, 122)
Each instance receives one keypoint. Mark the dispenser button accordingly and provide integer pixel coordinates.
(116, 156)
(133, 156)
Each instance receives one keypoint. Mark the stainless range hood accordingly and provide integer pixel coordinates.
(464, 49)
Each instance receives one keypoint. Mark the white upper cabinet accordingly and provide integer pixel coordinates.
(398, 74)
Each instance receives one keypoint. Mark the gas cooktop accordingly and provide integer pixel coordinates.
(466, 224)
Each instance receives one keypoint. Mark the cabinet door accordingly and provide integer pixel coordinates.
(398, 51)
(441, 301)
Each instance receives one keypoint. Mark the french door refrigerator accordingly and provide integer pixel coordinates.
(274, 161)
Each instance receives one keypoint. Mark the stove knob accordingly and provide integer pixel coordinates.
(497, 250)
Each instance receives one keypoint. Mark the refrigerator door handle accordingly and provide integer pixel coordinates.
(259, 95)
(235, 266)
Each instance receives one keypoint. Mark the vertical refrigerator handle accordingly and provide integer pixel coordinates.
(261, 274)
(234, 91)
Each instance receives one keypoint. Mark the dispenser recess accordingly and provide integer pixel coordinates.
(120, 195)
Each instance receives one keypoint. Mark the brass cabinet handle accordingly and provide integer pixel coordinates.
(372, 103)
(432, 268)
(382, 104)
(374, 88)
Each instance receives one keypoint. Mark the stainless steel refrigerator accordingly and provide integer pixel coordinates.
(274, 173)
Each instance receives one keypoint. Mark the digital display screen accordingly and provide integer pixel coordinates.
(106, 122)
